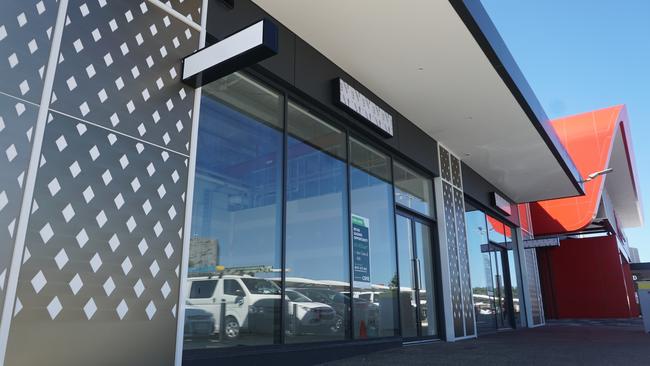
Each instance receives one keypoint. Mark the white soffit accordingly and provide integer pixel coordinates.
(419, 57)
(620, 185)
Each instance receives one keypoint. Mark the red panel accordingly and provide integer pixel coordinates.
(496, 225)
(588, 138)
(585, 279)
(631, 291)
(523, 217)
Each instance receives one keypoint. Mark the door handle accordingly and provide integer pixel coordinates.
(415, 275)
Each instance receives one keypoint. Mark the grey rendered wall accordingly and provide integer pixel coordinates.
(99, 263)
(26, 29)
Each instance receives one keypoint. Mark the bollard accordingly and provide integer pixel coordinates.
(294, 319)
(222, 320)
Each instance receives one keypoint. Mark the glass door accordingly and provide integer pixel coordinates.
(416, 278)
(499, 287)
(502, 286)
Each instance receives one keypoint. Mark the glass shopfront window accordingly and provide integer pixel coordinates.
(293, 200)
(235, 245)
(317, 244)
(480, 267)
(373, 243)
(517, 303)
(412, 190)
(493, 271)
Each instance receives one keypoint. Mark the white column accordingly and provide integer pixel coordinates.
(445, 275)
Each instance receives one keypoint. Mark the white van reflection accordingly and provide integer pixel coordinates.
(245, 304)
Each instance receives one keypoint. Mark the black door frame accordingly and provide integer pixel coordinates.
(433, 234)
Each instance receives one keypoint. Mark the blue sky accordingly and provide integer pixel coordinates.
(581, 55)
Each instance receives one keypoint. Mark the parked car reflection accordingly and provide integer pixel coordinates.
(340, 302)
(239, 305)
(198, 322)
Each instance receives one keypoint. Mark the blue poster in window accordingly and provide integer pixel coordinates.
(360, 249)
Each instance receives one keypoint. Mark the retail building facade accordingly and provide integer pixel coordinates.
(360, 185)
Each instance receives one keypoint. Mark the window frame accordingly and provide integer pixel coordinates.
(342, 122)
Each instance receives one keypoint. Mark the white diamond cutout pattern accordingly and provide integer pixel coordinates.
(114, 242)
(101, 219)
(38, 281)
(94, 153)
(46, 233)
(82, 238)
(154, 268)
(131, 224)
(76, 284)
(169, 250)
(138, 288)
(54, 187)
(161, 191)
(107, 177)
(109, 286)
(68, 213)
(61, 259)
(54, 307)
(75, 169)
(126, 266)
(119, 201)
(135, 184)
(90, 308)
(150, 310)
(61, 143)
(88, 194)
(146, 207)
(3, 200)
(11, 152)
(142, 246)
(124, 162)
(165, 290)
(19, 306)
(157, 229)
(122, 309)
(95, 262)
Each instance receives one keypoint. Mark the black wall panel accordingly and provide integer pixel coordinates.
(479, 189)
(309, 73)
(224, 21)
(417, 145)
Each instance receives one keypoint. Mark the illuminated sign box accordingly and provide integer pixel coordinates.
(235, 52)
(501, 203)
(353, 101)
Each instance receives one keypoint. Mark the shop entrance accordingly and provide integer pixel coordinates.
(492, 258)
(501, 298)
(416, 277)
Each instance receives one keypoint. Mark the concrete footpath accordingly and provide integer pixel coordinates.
(566, 342)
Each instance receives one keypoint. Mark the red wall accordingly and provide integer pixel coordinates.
(584, 278)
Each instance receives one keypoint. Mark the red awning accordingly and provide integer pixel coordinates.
(591, 139)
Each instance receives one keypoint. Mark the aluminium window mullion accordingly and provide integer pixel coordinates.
(283, 226)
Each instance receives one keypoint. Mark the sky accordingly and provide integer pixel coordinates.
(582, 55)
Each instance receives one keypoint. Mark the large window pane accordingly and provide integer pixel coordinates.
(514, 278)
(480, 270)
(317, 240)
(407, 294)
(426, 271)
(413, 190)
(235, 236)
(373, 242)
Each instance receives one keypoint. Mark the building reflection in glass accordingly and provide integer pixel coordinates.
(493, 271)
(235, 248)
